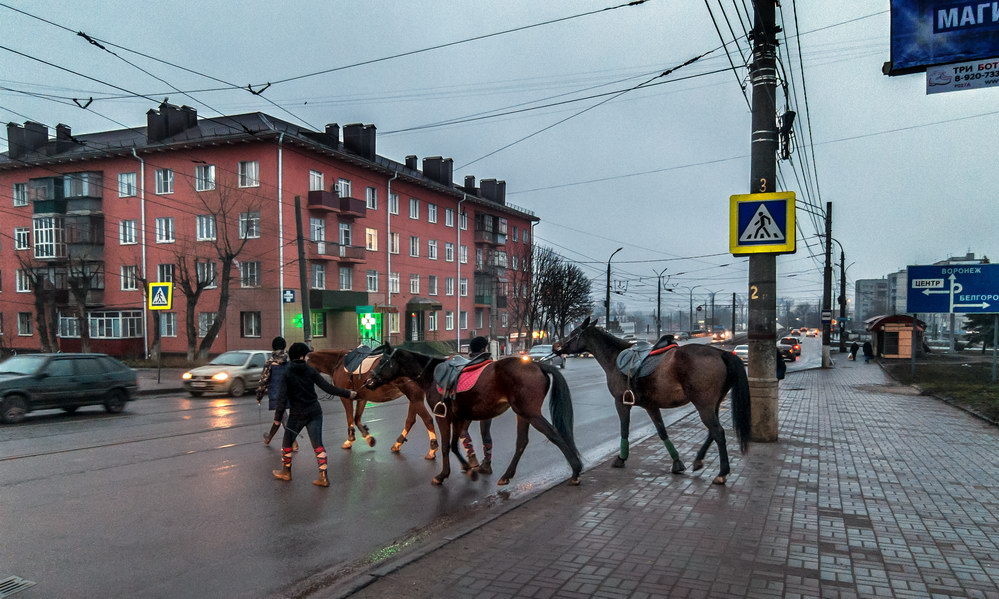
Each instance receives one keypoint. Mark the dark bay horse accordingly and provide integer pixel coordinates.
(330, 361)
(507, 383)
(696, 374)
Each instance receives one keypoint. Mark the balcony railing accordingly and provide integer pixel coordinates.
(353, 207)
(353, 253)
(324, 200)
(331, 250)
(484, 300)
(490, 237)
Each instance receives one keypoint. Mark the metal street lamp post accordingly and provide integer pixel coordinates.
(607, 300)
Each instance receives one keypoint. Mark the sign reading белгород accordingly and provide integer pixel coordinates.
(963, 75)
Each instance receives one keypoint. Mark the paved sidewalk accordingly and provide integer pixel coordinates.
(170, 381)
(872, 491)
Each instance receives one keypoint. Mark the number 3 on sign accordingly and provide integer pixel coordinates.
(754, 292)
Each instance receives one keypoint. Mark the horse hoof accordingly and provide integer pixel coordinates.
(618, 463)
(502, 482)
(485, 468)
(698, 464)
(573, 482)
(678, 467)
(719, 480)
(396, 447)
(347, 444)
(436, 482)
(430, 454)
(370, 440)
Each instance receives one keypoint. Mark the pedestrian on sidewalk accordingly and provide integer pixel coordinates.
(270, 382)
(781, 366)
(868, 352)
(298, 394)
(853, 351)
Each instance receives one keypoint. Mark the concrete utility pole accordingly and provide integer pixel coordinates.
(762, 290)
(303, 275)
(733, 314)
(607, 300)
(827, 293)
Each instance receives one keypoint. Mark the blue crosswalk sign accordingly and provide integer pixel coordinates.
(762, 223)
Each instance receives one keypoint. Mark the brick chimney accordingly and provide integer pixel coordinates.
(360, 139)
(169, 120)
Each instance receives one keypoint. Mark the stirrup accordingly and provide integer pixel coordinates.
(440, 410)
(628, 398)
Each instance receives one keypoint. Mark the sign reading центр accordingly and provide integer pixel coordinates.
(953, 288)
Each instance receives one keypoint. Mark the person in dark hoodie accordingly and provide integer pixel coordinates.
(298, 395)
(270, 381)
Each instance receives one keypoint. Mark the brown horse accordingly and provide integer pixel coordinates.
(507, 383)
(330, 361)
(696, 374)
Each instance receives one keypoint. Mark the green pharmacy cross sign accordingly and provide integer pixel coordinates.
(369, 325)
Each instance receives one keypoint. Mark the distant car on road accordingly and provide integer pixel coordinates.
(796, 332)
(543, 353)
(812, 333)
(793, 345)
(63, 381)
(232, 372)
(741, 352)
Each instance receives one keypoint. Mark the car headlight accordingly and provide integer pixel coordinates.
(220, 376)
(525, 358)
(186, 376)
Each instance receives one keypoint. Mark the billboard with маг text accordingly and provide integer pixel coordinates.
(932, 32)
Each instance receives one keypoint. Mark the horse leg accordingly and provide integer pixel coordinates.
(360, 425)
(459, 430)
(624, 415)
(703, 451)
(444, 424)
(486, 467)
(348, 409)
(717, 433)
(545, 428)
(403, 436)
(657, 419)
(466, 442)
(421, 409)
(523, 427)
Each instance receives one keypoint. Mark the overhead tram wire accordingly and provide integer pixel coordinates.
(808, 112)
(721, 38)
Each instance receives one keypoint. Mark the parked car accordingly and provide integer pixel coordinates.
(543, 353)
(63, 381)
(793, 344)
(232, 372)
(741, 352)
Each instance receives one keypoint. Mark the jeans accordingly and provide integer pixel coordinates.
(314, 427)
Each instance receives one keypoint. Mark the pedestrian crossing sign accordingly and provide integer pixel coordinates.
(160, 296)
(762, 223)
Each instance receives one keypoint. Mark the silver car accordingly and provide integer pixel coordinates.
(543, 353)
(232, 373)
(741, 352)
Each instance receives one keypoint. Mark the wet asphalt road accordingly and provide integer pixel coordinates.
(175, 498)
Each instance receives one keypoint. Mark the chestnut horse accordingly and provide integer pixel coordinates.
(696, 374)
(330, 361)
(507, 383)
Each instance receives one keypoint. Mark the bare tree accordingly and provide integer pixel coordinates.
(567, 296)
(83, 277)
(42, 279)
(192, 282)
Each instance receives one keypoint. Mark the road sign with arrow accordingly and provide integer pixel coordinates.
(953, 288)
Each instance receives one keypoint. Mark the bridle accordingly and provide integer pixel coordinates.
(572, 337)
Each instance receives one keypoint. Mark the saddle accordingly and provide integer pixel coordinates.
(361, 360)
(457, 375)
(641, 360)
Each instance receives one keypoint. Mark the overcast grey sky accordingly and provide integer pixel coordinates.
(650, 171)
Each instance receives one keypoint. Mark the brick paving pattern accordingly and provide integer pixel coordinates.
(872, 491)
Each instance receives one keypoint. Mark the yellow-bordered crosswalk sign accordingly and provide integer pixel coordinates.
(762, 223)
(160, 296)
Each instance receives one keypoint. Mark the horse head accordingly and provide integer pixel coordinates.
(572, 343)
(387, 368)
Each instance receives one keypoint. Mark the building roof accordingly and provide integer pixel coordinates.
(878, 322)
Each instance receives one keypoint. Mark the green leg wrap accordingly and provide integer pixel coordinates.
(624, 449)
(673, 453)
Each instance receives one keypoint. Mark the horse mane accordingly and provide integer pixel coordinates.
(611, 339)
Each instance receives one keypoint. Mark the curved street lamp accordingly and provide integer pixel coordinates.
(607, 300)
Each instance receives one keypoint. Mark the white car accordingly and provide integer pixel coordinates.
(741, 352)
(543, 353)
(233, 372)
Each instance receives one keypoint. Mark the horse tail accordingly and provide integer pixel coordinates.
(560, 405)
(741, 404)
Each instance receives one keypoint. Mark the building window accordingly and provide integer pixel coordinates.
(346, 278)
(448, 217)
(22, 238)
(463, 221)
(317, 228)
(318, 276)
(164, 230)
(343, 188)
(449, 320)
(393, 282)
(164, 180)
(346, 235)
(22, 281)
(432, 284)
(318, 324)
(168, 324)
(249, 225)
(393, 319)
(393, 203)
(449, 286)
(372, 281)
(249, 324)
(204, 177)
(249, 173)
(462, 320)
(24, 324)
(432, 249)
(513, 262)
(414, 247)
(514, 233)
(115, 325)
(448, 252)
(371, 198)
(49, 240)
(316, 181)
(249, 274)
(525, 236)
(21, 194)
(205, 227)
(478, 318)
(371, 239)
(414, 208)
(69, 327)
(463, 287)
(463, 254)
(164, 273)
(414, 284)
(205, 322)
(206, 274)
(129, 277)
(432, 320)
(504, 319)
(393, 243)
(128, 232)
(126, 185)
(431, 213)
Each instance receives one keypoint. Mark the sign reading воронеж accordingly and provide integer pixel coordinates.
(953, 288)
(935, 32)
(965, 75)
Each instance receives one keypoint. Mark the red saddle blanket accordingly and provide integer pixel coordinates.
(469, 376)
(663, 350)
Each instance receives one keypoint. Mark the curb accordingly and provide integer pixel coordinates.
(146, 392)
